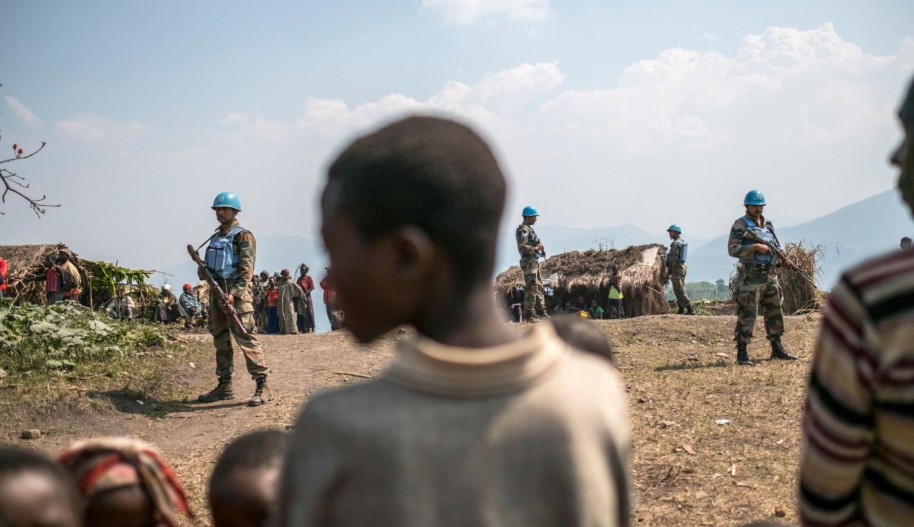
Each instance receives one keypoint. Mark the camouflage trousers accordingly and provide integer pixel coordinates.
(758, 284)
(223, 328)
(534, 297)
(287, 319)
(677, 278)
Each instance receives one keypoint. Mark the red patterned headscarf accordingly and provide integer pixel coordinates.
(108, 463)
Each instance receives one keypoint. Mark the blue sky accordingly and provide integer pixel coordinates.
(150, 109)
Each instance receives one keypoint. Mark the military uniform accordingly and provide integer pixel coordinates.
(222, 326)
(534, 296)
(288, 292)
(675, 264)
(757, 281)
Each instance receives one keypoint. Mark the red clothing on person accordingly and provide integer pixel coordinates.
(306, 283)
(329, 292)
(272, 297)
(52, 280)
(4, 269)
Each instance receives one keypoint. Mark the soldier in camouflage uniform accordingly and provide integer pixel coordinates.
(531, 250)
(230, 259)
(757, 280)
(676, 266)
(288, 292)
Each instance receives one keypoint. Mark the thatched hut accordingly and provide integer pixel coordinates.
(587, 274)
(25, 262)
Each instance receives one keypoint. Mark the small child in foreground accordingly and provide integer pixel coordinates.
(35, 491)
(244, 485)
(472, 424)
(124, 482)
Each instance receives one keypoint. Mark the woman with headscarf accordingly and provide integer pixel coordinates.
(125, 482)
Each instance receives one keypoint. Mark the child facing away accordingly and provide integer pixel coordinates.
(124, 482)
(244, 486)
(35, 491)
(472, 424)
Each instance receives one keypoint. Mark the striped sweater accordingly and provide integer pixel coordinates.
(857, 459)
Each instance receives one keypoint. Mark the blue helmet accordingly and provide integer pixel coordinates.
(530, 211)
(227, 199)
(754, 197)
(675, 228)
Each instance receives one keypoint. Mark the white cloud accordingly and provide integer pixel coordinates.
(709, 37)
(23, 112)
(470, 11)
(90, 127)
(790, 111)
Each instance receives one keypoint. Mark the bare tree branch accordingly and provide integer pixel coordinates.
(14, 182)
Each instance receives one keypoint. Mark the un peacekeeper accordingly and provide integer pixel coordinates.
(531, 250)
(757, 280)
(230, 259)
(676, 266)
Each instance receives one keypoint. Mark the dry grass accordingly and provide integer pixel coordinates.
(678, 387)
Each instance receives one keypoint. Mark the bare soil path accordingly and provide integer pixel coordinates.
(679, 373)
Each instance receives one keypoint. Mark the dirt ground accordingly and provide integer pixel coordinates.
(679, 372)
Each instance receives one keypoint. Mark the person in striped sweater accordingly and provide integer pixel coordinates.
(857, 457)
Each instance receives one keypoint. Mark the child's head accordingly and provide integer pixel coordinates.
(35, 491)
(124, 483)
(593, 303)
(410, 219)
(583, 335)
(243, 489)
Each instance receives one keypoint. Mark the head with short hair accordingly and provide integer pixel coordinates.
(36, 491)
(903, 157)
(244, 486)
(583, 335)
(63, 256)
(421, 200)
(906, 242)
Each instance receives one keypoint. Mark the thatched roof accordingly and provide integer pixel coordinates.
(588, 273)
(591, 269)
(21, 257)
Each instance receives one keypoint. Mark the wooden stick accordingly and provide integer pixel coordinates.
(353, 374)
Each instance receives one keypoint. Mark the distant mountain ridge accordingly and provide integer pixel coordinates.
(848, 235)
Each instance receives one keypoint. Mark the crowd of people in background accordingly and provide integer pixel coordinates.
(283, 306)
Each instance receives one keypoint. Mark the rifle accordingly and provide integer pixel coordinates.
(754, 236)
(226, 306)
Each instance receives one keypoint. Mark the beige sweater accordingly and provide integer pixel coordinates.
(533, 433)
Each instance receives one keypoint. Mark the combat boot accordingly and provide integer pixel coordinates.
(543, 316)
(531, 318)
(681, 311)
(689, 310)
(262, 394)
(223, 391)
(742, 356)
(778, 351)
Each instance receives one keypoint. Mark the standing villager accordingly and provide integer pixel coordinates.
(857, 454)
(288, 292)
(71, 280)
(614, 304)
(259, 299)
(531, 250)
(757, 280)
(676, 267)
(306, 313)
(52, 276)
(472, 423)
(272, 293)
(333, 313)
(122, 306)
(230, 258)
(168, 309)
(4, 270)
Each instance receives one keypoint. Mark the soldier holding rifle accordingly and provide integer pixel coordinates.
(531, 250)
(753, 241)
(228, 267)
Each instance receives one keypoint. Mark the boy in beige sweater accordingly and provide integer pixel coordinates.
(472, 424)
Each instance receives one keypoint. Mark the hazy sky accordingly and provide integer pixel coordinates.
(601, 113)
